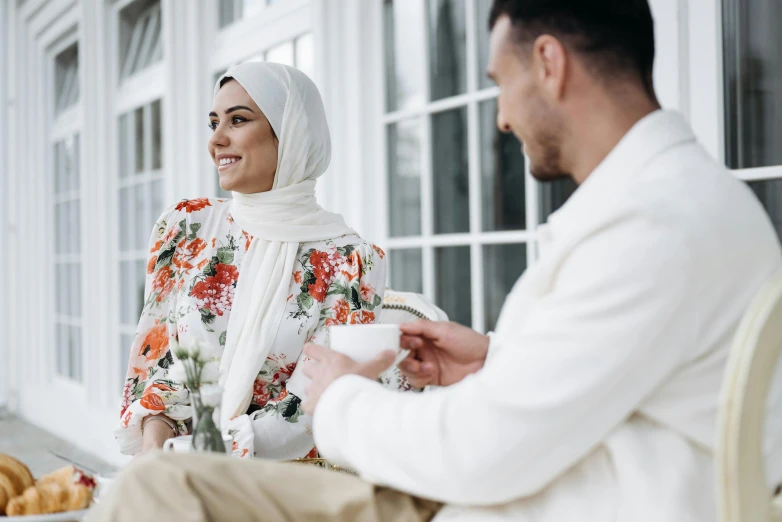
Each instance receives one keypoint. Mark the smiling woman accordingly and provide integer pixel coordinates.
(255, 277)
(243, 144)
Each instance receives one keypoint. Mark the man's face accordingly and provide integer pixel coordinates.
(522, 105)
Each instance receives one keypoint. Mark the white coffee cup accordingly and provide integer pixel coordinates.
(184, 444)
(364, 342)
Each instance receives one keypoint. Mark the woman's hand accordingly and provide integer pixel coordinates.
(442, 353)
(155, 434)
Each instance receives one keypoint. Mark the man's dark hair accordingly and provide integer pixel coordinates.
(615, 37)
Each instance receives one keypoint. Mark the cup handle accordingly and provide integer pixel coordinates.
(168, 445)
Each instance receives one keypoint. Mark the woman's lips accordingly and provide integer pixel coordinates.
(227, 166)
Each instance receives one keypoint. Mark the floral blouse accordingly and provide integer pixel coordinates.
(196, 253)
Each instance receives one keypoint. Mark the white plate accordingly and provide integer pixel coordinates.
(70, 516)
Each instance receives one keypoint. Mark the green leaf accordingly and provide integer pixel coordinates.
(194, 227)
(222, 339)
(138, 388)
(225, 256)
(165, 257)
(207, 317)
(305, 301)
(355, 299)
(181, 234)
(309, 279)
(290, 408)
(337, 289)
(377, 301)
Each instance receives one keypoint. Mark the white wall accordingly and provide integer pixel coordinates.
(4, 173)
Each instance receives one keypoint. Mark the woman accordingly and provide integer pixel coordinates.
(255, 277)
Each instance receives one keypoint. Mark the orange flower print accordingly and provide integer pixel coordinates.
(214, 239)
(156, 247)
(151, 264)
(163, 283)
(318, 290)
(283, 394)
(341, 311)
(215, 293)
(247, 240)
(202, 264)
(362, 317)
(126, 419)
(141, 373)
(193, 205)
(155, 343)
(162, 387)
(189, 253)
(332, 322)
(297, 277)
(367, 292)
(354, 267)
(245, 451)
(379, 251)
(152, 401)
(171, 234)
(260, 394)
(234, 446)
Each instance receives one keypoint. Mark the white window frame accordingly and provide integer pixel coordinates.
(132, 92)
(706, 89)
(476, 238)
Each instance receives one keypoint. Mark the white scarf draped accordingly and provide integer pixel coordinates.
(277, 220)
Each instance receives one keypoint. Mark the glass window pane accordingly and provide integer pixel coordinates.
(66, 77)
(403, 24)
(553, 195)
(126, 145)
(450, 171)
(156, 204)
(61, 349)
(503, 191)
(282, 53)
(226, 12)
(252, 7)
(75, 290)
(67, 166)
(157, 140)
(404, 174)
(76, 161)
(60, 227)
(502, 267)
(482, 8)
(57, 167)
(127, 304)
(447, 48)
(142, 226)
(74, 350)
(305, 55)
(769, 192)
(138, 120)
(61, 289)
(140, 36)
(453, 281)
(75, 230)
(125, 218)
(753, 82)
(406, 270)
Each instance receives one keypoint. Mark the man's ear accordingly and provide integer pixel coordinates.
(549, 62)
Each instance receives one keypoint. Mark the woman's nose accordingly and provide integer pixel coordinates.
(219, 138)
(502, 123)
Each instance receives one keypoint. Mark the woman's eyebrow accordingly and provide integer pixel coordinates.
(232, 109)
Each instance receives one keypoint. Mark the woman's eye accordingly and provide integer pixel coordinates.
(237, 119)
(212, 125)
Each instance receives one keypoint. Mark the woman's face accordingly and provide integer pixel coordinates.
(243, 145)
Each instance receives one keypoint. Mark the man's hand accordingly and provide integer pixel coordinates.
(442, 353)
(327, 366)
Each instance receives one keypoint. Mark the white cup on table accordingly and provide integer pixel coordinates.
(184, 444)
(364, 342)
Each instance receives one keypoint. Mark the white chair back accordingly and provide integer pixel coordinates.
(743, 493)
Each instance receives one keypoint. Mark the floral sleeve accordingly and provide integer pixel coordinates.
(344, 286)
(148, 390)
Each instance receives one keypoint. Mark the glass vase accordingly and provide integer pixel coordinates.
(206, 436)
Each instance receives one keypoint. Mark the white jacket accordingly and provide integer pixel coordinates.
(598, 399)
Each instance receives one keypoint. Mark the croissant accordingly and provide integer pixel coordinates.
(48, 498)
(15, 477)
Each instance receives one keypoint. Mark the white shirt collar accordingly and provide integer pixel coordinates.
(649, 137)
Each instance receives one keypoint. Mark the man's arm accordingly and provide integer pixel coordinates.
(619, 320)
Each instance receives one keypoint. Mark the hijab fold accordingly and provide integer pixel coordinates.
(277, 220)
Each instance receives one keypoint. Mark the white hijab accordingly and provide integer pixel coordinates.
(277, 220)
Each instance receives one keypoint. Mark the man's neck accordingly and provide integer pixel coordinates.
(602, 126)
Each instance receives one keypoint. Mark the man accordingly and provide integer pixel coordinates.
(596, 397)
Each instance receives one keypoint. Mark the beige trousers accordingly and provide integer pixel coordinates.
(215, 488)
